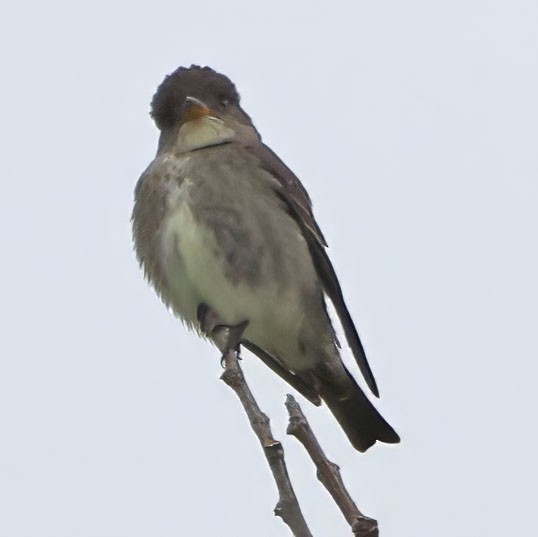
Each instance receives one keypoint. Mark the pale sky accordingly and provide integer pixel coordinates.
(413, 125)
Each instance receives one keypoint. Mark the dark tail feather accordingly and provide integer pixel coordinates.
(359, 419)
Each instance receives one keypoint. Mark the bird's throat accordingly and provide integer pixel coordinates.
(203, 132)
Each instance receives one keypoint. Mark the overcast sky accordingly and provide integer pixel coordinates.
(414, 126)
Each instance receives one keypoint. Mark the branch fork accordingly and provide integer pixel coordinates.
(328, 473)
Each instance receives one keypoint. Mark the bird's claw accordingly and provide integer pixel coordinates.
(226, 337)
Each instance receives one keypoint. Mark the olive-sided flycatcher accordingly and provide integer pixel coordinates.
(225, 233)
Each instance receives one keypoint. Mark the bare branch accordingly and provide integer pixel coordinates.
(287, 506)
(328, 472)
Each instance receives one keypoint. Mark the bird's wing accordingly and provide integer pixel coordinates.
(293, 193)
(296, 381)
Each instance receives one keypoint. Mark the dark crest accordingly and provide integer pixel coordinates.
(201, 82)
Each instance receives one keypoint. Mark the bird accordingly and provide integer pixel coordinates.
(225, 233)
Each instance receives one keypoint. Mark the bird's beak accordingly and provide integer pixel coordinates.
(194, 109)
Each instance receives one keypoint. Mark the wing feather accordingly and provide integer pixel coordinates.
(293, 193)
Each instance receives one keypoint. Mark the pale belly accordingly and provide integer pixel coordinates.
(194, 270)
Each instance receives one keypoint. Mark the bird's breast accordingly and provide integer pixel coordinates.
(226, 241)
(202, 254)
(185, 252)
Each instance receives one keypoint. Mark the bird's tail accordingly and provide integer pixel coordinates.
(357, 416)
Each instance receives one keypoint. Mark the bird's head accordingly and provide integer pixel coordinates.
(197, 107)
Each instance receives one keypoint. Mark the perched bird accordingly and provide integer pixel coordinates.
(225, 233)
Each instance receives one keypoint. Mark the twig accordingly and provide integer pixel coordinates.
(287, 506)
(328, 472)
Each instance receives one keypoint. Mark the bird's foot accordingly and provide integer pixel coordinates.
(228, 338)
(225, 337)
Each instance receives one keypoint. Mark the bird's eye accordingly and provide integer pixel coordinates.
(224, 102)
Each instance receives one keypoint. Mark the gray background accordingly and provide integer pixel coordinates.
(414, 127)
